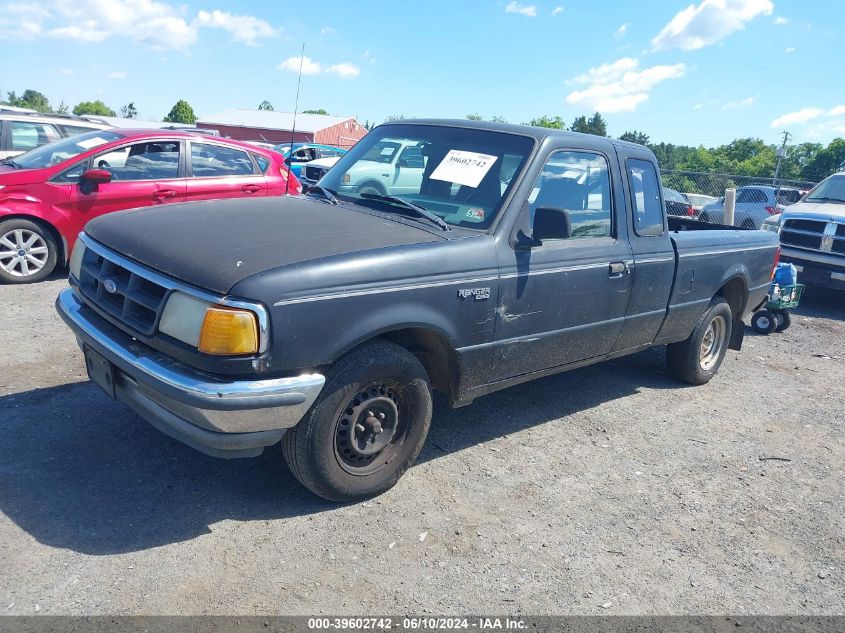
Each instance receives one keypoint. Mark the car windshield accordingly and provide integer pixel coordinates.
(829, 190)
(60, 151)
(461, 175)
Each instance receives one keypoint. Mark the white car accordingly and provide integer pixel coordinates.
(316, 169)
(390, 167)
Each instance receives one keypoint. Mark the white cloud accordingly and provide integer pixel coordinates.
(698, 106)
(528, 10)
(118, 74)
(799, 117)
(709, 22)
(368, 56)
(837, 111)
(789, 49)
(67, 72)
(620, 32)
(557, 10)
(621, 86)
(309, 66)
(780, 20)
(243, 28)
(742, 103)
(344, 70)
(154, 23)
(327, 30)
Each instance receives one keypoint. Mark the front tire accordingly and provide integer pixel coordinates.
(697, 359)
(28, 252)
(367, 426)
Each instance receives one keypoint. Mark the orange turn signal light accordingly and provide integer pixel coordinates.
(229, 332)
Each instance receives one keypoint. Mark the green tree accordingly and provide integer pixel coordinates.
(395, 117)
(555, 123)
(828, 161)
(320, 111)
(63, 108)
(499, 119)
(129, 111)
(635, 136)
(474, 117)
(31, 99)
(265, 105)
(594, 125)
(181, 112)
(93, 107)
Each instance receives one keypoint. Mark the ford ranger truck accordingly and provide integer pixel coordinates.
(327, 320)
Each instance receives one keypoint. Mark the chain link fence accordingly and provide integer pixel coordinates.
(757, 198)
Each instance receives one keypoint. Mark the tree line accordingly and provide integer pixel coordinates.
(181, 112)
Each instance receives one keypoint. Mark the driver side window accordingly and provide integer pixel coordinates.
(576, 186)
(155, 160)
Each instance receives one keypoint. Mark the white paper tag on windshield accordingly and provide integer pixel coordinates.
(88, 143)
(464, 168)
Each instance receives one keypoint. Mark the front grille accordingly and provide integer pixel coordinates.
(314, 173)
(803, 233)
(121, 293)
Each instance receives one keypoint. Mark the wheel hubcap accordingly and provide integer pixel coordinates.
(711, 343)
(369, 428)
(23, 252)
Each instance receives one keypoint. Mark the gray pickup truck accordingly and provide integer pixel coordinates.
(490, 255)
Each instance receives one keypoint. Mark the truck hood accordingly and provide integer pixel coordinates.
(215, 244)
(823, 211)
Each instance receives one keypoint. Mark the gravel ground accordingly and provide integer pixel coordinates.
(610, 489)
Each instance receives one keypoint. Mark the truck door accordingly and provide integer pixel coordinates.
(565, 300)
(653, 270)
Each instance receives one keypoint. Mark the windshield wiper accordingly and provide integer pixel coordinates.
(418, 209)
(326, 194)
(11, 163)
(825, 199)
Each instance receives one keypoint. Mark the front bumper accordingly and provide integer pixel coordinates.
(220, 417)
(817, 269)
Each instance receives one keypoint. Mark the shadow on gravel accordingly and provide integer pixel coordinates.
(821, 303)
(82, 472)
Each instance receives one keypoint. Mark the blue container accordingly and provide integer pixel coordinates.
(786, 275)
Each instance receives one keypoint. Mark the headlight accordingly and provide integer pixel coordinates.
(229, 331)
(772, 224)
(183, 317)
(211, 328)
(76, 258)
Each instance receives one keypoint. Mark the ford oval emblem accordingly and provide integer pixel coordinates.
(110, 286)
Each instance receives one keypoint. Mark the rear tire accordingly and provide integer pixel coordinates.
(782, 320)
(367, 426)
(763, 322)
(28, 252)
(697, 359)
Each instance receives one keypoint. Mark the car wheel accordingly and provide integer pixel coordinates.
(782, 320)
(697, 359)
(372, 188)
(367, 426)
(28, 252)
(763, 322)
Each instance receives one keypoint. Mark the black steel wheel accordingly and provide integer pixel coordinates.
(367, 426)
(763, 322)
(782, 320)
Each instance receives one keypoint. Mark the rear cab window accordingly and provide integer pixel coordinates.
(645, 198)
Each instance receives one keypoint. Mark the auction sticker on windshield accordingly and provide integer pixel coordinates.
(464, 168)
(88, 143)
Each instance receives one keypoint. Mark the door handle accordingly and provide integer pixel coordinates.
(617, 269)
(165, 194)
(251, 188)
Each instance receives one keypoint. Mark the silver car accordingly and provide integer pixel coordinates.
(754, 204)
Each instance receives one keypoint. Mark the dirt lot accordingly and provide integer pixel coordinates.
(608, 490)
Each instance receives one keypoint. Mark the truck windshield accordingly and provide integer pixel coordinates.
(461, 175)
(60, 151)
(830, 190)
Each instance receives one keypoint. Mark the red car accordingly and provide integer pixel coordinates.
(48, 194)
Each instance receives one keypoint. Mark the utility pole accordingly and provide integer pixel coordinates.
(781, 154)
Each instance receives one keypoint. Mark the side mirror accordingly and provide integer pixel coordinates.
(96, 176)
(402, 162)
(551, 223)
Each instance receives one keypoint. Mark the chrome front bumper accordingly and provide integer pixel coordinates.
(219, 417)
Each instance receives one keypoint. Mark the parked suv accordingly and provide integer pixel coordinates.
(754, 205)
(48, 194)
(21, 131)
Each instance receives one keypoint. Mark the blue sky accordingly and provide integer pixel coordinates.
(700, 72)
